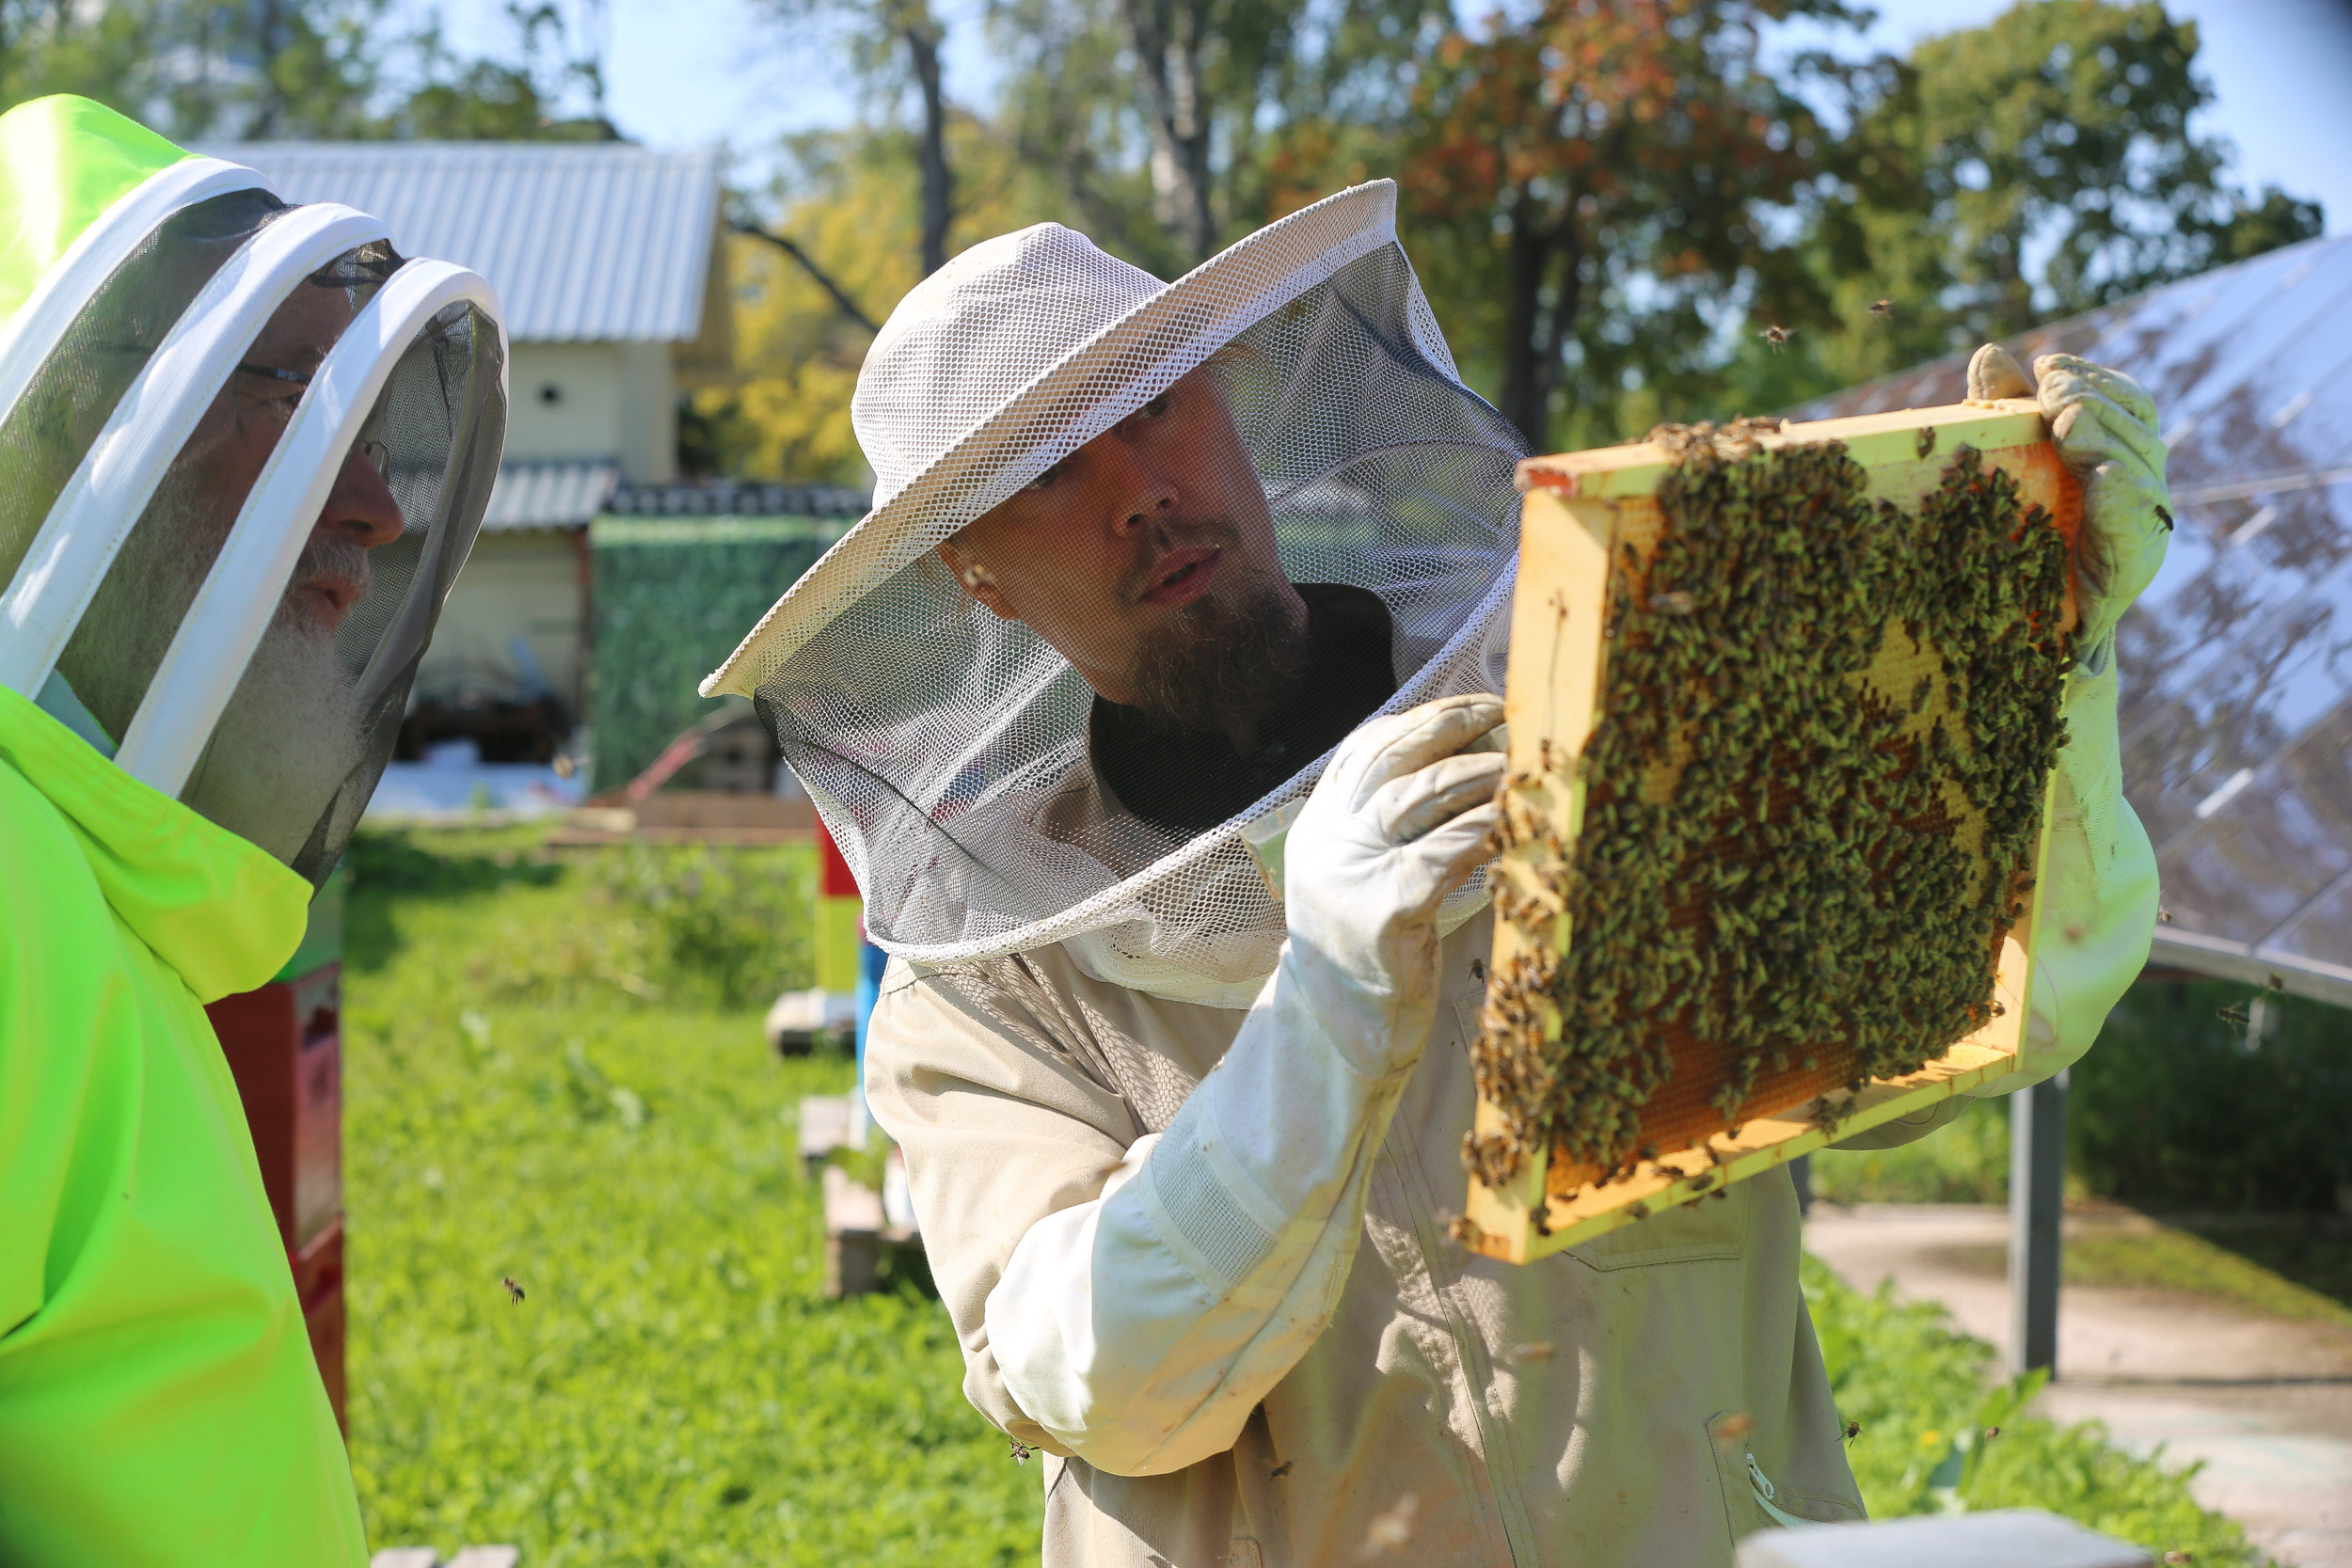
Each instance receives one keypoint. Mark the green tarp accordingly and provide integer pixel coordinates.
(669, 599)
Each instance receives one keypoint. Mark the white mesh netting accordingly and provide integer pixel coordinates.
(948, 749)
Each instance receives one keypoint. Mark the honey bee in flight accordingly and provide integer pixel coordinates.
(1882, 308)
(1777, 336)
(514, 1292)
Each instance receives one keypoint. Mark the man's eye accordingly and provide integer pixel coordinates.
(1045, 479)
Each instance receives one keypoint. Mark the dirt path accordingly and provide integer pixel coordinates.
(2265, 1403)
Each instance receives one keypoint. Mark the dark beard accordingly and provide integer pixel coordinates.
(1228, 656)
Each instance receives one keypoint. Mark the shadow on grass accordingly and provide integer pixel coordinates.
(2313, 1250)
(391, 865)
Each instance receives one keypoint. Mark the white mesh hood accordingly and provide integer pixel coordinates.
(949, 748)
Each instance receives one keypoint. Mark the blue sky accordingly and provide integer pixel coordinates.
(686, 72)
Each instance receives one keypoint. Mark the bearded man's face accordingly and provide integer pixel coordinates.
(1147, 558)
(290, 734)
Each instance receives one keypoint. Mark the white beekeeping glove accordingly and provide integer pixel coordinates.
(2099, 881)
(2105, 424)
(1399, 819)
(1142, 1328)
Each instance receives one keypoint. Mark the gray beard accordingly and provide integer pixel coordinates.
(1237, 655)
(290, 735)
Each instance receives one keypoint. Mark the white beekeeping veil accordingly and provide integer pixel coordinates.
(246, 446)
(948, 749)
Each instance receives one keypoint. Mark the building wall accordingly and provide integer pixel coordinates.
(595, 400)
(514, 584)
(648, 446)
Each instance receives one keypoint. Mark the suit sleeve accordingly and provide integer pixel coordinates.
(1127, 1299)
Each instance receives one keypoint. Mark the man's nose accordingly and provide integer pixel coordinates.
(360, 506)
(1142, 495)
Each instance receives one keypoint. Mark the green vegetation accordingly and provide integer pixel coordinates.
(2205, 1095)
(526, 1097)
(2199, 1098)
(542, 1082)
(1917, 1389)
(1965, 1163)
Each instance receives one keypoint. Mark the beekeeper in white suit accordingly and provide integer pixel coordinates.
(1144, 706)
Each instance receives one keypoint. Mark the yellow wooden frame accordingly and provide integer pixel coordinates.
(1578, 510)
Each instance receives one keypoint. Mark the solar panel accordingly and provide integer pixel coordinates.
(2237, 662)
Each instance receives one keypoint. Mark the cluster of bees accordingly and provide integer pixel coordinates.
(1778, 856)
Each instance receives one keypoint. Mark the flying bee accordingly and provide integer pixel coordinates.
(2165, 518)
(2236, 1017)
(1882, 308)
(514, 1292)
(1854, 1430)
(1021, 1451)
(1280, 1470)
(1777, 336)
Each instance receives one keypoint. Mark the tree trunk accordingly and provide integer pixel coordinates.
(1535, 328)
(939, 186)
(267, 43)
(1169, 37)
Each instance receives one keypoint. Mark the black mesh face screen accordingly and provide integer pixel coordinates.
(440, 425)
(49, 431)
(1192, 607)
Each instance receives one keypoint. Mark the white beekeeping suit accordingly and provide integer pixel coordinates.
(1181, 1078)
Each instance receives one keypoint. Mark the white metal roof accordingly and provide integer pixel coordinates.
(567, 493)
(600, 242)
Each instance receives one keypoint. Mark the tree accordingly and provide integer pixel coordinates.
(1604, 179)
(1174, 125)
(876, 32)
(2006, 175)
(847, 200)
(2064, 124)
(519, 97)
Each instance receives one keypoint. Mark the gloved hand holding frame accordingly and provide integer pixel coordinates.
(1772, 828)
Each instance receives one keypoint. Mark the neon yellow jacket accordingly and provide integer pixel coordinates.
(159, 1404)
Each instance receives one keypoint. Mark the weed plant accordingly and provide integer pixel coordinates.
(1917, 1389)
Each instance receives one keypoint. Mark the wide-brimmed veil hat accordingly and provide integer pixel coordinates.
(947, 747)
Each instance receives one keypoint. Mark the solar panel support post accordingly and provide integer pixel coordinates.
(2037, 1180)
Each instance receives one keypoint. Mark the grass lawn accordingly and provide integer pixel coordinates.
(554, 1073)
(673, 1389)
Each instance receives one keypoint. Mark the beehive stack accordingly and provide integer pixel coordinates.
(1784, 701)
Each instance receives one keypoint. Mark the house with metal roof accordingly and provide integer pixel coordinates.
(2237, 707)
(608, 262)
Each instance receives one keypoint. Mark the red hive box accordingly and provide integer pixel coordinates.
(284, 1045)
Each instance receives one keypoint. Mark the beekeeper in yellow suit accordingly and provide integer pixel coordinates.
(245, 447)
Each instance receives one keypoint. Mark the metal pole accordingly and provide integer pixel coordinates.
(2037, 1180)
